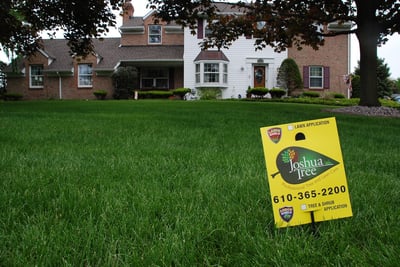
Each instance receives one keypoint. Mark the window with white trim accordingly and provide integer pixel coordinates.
(36, 77)
(85, 75)
(316, 77)
(225, 73)
(212, 73)
(155, 78)
(197, 73)
(154, 34)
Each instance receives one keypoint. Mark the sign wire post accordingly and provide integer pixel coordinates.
(313, 224)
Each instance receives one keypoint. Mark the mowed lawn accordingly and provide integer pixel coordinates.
(175, 183)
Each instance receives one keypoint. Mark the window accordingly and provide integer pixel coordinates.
(211, 72)
(154, 34)
(316, 76)
(85, 75)
(36, 76)
(225, 73)
(155, 78)
(197, 73)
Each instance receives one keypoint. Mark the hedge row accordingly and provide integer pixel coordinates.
(262, 91)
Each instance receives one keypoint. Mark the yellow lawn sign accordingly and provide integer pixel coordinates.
(306, 172)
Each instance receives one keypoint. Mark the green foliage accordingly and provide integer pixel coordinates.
(125, 79)
(80, 20)
(337, 95)
(397, 82)
(12, 96)
(208, 93)
(277, 93)
(311, 94)
(258, 91)
(100, 94)
(181, 92)
(356, 86)
(155, 94)
(384, 84)
(289, 76)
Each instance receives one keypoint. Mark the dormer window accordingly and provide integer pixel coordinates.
(154, 34)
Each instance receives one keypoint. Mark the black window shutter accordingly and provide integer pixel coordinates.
(200, 29)
(326, 78)
(306, 76)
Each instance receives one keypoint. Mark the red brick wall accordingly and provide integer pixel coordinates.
(142, 39)
(51, 87)
(334, 54)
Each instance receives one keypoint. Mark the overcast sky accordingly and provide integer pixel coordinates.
(389, 52)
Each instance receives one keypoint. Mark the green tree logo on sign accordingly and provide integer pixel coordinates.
(298, 165)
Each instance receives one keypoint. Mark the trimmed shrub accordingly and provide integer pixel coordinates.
(277, 93)
(337, 95)
(311, 94)
(12, 96)
(100, 94)
(155, 94)
(289, 76)
(258, 91)
(181, 92)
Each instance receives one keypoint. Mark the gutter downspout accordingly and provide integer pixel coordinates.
(59, 85)
(349, 64)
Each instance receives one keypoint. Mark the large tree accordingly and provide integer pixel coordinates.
(286, 23)
(22, 23)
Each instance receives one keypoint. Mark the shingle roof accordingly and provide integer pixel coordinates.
(211, 55)
(110, 53)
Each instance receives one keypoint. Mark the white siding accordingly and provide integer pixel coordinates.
(242, 57)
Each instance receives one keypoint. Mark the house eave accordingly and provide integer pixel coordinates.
(132, 29)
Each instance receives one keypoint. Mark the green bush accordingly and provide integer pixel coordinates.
(125, 79)
(258, 91)
(356, 86)
(12, 96)
(100, 94)
(181, 92)
(311, 94)
(210, 93)
(277, 93)
(337, 95)
(289, 76)
(155, 94)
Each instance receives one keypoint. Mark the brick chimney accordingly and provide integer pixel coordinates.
(127, 11)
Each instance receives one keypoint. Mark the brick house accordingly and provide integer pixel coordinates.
(156, 50)
(324, 70)
(168, 57)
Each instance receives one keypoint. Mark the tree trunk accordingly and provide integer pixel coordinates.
(368, 76)
(367, 34)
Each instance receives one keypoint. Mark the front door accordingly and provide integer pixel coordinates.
(259, 76)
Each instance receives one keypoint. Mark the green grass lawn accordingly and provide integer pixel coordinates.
(174, 183)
